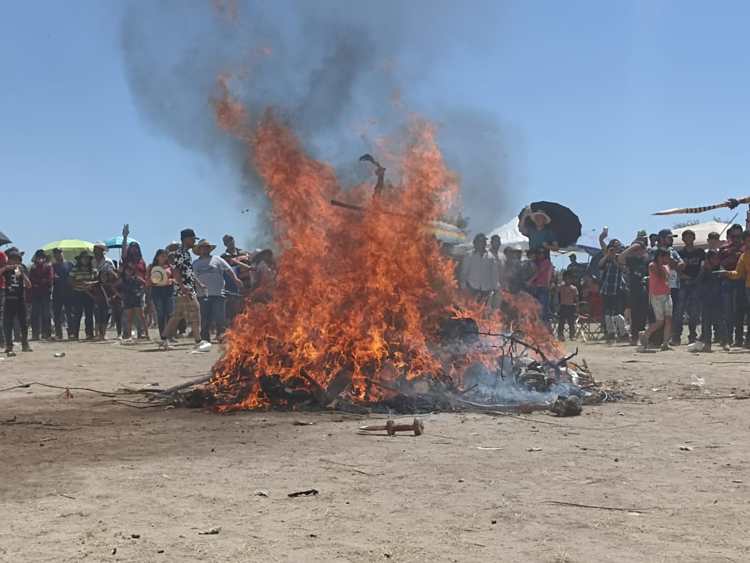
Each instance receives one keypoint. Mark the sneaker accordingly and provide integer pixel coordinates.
(697, 347)
(666, 347)
(10, 353)
(725, 347)
(203, 346)
(164, 345)
(173, 340)
(127, 342)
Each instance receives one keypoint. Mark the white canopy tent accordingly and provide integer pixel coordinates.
(701, 231)
(511, 236)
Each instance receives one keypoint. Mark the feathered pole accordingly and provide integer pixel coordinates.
(730, 203)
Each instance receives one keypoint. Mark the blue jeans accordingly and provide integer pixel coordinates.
(690, 305)
(213, 310)
(163, 300)
(541, 294)
(713, 318)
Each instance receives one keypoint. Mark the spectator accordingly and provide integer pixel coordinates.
(653, 240)
(84, 279)
(133, 279)
(635, 261)
(162, 289)
(510, 276)
(741, 273)
(709, 291)
(42, 277)
(186, 300)
(3, 262)
(666, 239)
(479, 274)
(106, 269)
(660, 297)
(568, 307)
(239, 260)
(692, 258)
(733, 291)
(15, 283)
(210, 272)
(714, 241)
(612, 290)
(61, 292)
(576, 269)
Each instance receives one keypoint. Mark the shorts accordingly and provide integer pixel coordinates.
(133, 300)
(187, 307)
(662, 306)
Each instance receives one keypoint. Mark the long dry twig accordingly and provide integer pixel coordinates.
(596, 506)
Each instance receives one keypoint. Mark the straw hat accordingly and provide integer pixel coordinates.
(205, 243)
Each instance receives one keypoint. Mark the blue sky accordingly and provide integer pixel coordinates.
(615, 108)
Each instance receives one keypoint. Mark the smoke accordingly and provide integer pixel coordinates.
(336, 70)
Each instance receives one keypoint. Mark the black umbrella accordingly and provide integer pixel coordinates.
(563, 222)
(4, 239)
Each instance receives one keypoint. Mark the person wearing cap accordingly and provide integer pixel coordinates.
(693, 258)
(83, 280)
(16, 282)
(187, 307)
(676, 265)
(61, 292)
(210, 271)
(42, 277)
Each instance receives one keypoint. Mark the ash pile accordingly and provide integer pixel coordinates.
(521, 379)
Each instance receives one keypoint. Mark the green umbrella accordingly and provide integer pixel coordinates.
(71, 247)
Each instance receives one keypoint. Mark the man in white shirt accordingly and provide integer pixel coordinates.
(479, 273)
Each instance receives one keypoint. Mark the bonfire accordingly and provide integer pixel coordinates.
(365, 309)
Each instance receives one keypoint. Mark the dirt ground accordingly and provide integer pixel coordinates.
(82, 478)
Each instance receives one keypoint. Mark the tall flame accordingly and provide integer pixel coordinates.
(360, 293)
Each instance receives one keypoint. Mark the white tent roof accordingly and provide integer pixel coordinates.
(701, 232)
(510, 235)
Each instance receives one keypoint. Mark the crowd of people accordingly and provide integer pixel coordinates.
(176, 292)
(647, 293)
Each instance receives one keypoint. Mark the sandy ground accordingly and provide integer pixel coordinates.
(82, 478)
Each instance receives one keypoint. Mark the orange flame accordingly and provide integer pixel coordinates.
(360, 294)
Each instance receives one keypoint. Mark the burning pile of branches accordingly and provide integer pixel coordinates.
(366, 310)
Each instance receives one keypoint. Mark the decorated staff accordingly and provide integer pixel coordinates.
(730, 203)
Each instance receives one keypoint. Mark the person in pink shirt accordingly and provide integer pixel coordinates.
(661, 299)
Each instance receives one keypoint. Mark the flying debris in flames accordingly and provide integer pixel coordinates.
(361, 300)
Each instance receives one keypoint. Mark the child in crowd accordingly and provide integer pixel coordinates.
(568, 306)
(661, 299)
(16, 281)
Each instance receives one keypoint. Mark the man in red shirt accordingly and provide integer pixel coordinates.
(42, 277)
